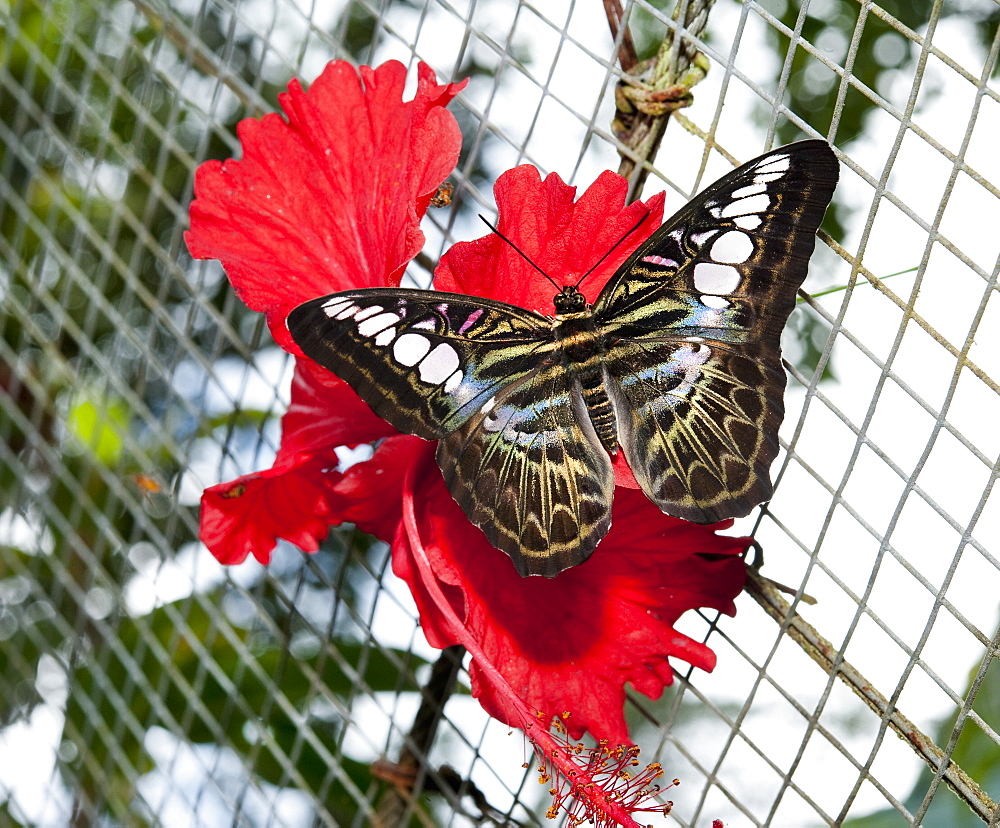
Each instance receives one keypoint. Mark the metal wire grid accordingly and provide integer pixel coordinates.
(102, 306)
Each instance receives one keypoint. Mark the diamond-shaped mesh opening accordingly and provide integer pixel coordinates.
(142, 682)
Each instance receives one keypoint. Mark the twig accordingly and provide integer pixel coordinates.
(826, 656)
(627, 56)
(651, 91)
(409, 773)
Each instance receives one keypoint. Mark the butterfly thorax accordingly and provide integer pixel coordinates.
(581, 350)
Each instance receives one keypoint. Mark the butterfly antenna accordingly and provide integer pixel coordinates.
(520, 252)
(612, 249)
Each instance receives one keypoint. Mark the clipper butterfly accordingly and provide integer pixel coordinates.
(677, 364)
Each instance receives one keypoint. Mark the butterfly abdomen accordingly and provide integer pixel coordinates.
(581, 347)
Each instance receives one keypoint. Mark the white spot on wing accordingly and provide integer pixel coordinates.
(410, 348)
(767, 177)
(335, 306)
(424, 324)
(364, 314)
(756, 188)
(714, 302)
(715, 278)
(350, 310)
(698, 239)
(740, 207)
(385, 337)
(453, 382)
(374, 324)
(439, 364)
(691, 358)
(749, 222)
(733, 247)
(776, 163)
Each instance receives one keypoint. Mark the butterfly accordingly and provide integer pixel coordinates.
(677, 364)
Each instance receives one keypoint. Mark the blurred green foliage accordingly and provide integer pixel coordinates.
(184, 668)
(975, 752)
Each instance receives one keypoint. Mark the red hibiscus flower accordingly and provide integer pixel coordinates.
(330, 200)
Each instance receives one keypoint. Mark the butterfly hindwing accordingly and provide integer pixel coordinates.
(700, 429)
(424, 361)
(530, 471)
(693, 320)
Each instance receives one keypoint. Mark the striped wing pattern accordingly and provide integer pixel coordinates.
(686, 339)
(531, 472)
(700, 437)
(424, 361)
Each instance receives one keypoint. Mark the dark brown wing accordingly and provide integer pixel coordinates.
(424, 361)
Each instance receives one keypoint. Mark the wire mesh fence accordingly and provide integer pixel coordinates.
(142, 682)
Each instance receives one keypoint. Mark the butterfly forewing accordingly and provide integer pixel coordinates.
(424, 361)
(530, 470)
(747, 237)
(693, 320)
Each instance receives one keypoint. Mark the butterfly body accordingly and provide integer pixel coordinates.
(582, 349)
(676, 363)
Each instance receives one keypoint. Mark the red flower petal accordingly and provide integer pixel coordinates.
(249, 515)
(325, 413)
(370, 494)
(332, 198)
(572, 642)
(301, 496)
(594, 778)
(562, 237)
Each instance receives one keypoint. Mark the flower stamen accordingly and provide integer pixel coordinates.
(590, 783)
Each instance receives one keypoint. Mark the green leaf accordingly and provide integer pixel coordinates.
(99, 426)
(811, 334)
(976, 753)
